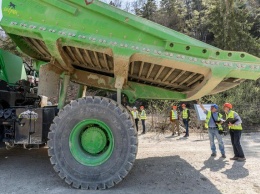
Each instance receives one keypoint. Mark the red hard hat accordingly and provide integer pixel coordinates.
(174, 107)
(228, 105)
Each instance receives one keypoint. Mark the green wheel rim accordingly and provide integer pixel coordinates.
(91, 142)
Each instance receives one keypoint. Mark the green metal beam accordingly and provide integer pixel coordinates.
(63, 90)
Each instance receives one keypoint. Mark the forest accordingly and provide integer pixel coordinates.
(227, 24)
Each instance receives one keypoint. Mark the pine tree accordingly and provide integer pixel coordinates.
(231, 24)
(148, 10)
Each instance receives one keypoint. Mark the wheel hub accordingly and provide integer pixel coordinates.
(93, 140)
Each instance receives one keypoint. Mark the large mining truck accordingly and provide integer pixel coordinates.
(92, 141)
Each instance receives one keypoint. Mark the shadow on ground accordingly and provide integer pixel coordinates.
(166, 175)
(29, 171)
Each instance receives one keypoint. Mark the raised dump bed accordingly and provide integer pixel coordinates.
(93, 142)
(99, 45)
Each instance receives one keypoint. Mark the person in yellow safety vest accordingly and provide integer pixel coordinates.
(213, 124)
(135, 114)
(235, 132)
(175, 121)
(143, 118)
(185, 118)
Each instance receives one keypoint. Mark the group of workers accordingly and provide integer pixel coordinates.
(141, 116)
(213, 124)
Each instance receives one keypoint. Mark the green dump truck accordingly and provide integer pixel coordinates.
(92, 141)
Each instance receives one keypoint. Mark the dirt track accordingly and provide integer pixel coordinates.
(163, 165)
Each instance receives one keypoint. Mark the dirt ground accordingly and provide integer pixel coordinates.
(164, 165)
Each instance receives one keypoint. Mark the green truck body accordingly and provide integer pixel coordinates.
(93, 141)
(99, 45)
(11, 67)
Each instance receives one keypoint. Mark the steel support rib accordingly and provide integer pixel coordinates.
(63, 90)
(81, 91)
(118, 95)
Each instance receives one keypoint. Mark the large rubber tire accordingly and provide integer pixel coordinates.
(118, 164)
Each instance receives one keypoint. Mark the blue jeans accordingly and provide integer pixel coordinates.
(186, 124)
(213, 132)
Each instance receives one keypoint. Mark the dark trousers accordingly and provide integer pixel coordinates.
(235, 140)
(136, 123)
(143, 123)
(186, 124)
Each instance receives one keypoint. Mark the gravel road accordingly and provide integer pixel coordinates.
(164, 165)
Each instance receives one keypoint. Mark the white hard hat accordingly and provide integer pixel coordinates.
(134, 107)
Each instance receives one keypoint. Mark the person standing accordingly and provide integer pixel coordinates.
(136, 116)
(143, 118)
(185, 118)
(175, 121)
(213, 124)
(235, 129)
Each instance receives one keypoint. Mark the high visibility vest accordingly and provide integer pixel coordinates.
(143, 115)
(135, 114)
(185, 113)
(174, 116)
(218, 119)
(231, 115)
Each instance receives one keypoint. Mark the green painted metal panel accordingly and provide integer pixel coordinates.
(11, 67)
(105, 40)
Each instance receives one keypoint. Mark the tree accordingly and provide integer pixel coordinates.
(231, 23)
(148, 10)
(116, 3)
